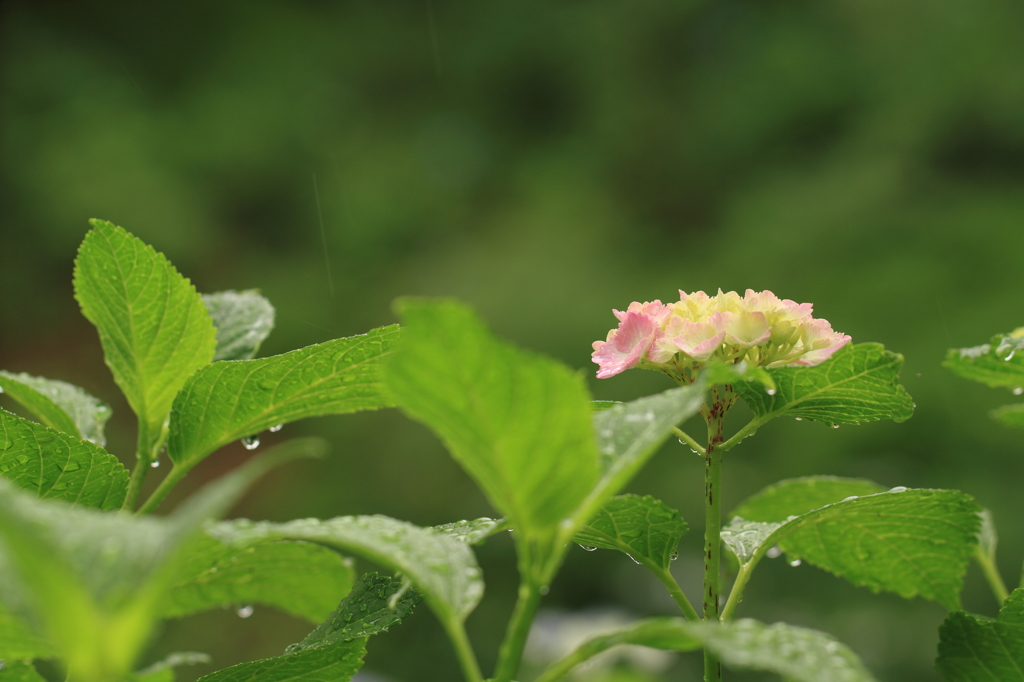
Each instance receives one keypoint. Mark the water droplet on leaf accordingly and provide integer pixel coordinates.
(634, 560)
(544, 589)
(835, 426)
(898, 489)
(799, 419)
(1018, 390)
(774, 553)
(154, 464)
(276, 427)
(244, 611)
(588, 548)
(795, 562)
(770, 391)
(251, 442)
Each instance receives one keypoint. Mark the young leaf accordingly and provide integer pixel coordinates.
(997, 364)
(471, 532)
(377, 603)
(519, 423)
(243, 320)
(978, 649)
(860, 383)
(229, 400)
(153, 325)
(795, 653)
(59, 405)
(55, 465)
(443, 568)
(299, 578)
(796, 496)
(93, 580)
(744, 537)
(335, 649)
(646, 529)
(911, 542)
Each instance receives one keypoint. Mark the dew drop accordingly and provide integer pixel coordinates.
(835, 426)
(847, 499)
(799, 419)
(71, 466)
(292, 648)
(634, 560)
(774, 553)
(154, 464)
(544, 589)
(244, 611)
(348, 617)
(770, 391)
(795, 562)
(213, 569)
(266, 385)
(251, 442)
(1018, 390)
(1010, 356)
(276, 427)
(673, 556)
(898, 489)
(588, 548)
(362, 607)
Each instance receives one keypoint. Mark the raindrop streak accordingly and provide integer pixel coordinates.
(251, 442)
(795, 562)
(155, 463)
(244, 611)
(276, 428)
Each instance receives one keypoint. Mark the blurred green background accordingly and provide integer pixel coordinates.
(545, 161)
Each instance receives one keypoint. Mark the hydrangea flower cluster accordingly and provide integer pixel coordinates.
(677, 339)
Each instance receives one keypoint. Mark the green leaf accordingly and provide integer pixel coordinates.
(997, 364)
(911, 542)
(443, 568)
(796, 496)
(978, 649)
(18, 671)
(795, 653)
(243, 320)
(55, 465)
(1011, 415)
(337, 663)
(517, 422)
(599, 405)
(92, 580)
(471, 532)
(229, 400)
(59, 405)
(859, 383)
(163, 671)
(744, 538)
(154, 327)
(643, 527)
(334, 650)
(377, 603)
(19, 640)
(300, 578)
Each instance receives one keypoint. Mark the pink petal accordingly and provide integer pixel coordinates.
(625, 345)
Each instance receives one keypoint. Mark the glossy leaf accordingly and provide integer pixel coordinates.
(153, 325)
(230, 400)
(59, 405)
(744, 538)
(300, 578)
(337, 662)
(978, 649)
(55, 465)
(517, 422)
(163, 671)
(443, 568)
(376, 604)
(471, 532)
(243, 320)
(859, 383)
(795, 653)
(997, 364)
(645, 528)
(796, 496)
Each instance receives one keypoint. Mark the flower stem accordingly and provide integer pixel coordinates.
(722, 399)
(144, 455)
(688, 439)
(511, 651)
(995, 581)
(464, 652)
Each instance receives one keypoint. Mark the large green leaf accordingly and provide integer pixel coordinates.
(795, 653)
(59, 405)
(796, 496)
(519, 423)
(998, 364)
(859, 383)
(911, 542)
(163, 671)
(55, 465)
(978, 649)
(300, 578)
(19, 640)
(443, 568)
(92, 581)
(646, 529)
(337, 662)
(153, 325)
(229, 400)
(243, 320)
